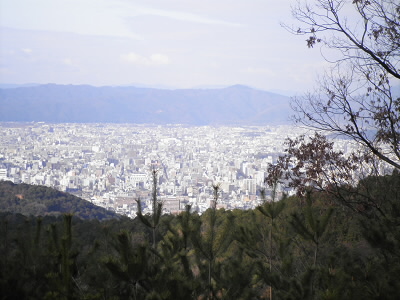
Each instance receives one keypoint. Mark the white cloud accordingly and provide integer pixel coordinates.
(159, 59)
(91, 17)
(67, 61)
(152, 60)
(27, 50)
(133, 58)
(182, 16)
(88, 17)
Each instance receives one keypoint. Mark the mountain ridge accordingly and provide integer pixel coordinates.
(38, 200)
(236, 104)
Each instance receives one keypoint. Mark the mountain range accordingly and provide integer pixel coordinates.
(54, 103)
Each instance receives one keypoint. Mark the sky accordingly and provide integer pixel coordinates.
(155, 43)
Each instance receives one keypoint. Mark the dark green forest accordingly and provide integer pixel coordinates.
(39, 200)
(301, 247)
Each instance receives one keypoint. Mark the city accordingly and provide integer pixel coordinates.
(110, 164)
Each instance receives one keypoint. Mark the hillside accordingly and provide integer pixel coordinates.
(87, 104)
(40, 201)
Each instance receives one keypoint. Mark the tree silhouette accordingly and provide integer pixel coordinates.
(210, 240)
(356, 98)
(157, 206)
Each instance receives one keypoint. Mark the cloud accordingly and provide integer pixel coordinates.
(182, 16)
(152, 60)
(67, 61)
(133, 58)
(159, 59)
(92, 17)
(27, 50)
(88, 17)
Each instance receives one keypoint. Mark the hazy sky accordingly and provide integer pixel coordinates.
(171, 43)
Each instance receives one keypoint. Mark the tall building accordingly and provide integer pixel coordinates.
(3, 174)
(250, 186)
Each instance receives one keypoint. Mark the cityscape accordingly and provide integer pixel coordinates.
(110, 164)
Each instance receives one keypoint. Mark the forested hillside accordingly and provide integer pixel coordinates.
(309, 247)
(42, 201)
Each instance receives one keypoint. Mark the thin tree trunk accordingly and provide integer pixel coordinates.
(209, 281)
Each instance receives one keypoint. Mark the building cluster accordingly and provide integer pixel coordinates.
(111, 164)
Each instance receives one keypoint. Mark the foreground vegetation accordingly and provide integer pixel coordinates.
(308, 247)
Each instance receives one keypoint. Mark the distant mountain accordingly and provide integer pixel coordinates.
(37, 200)
(87, 104)
(13, 86)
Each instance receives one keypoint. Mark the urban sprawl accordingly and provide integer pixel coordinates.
(110, 165)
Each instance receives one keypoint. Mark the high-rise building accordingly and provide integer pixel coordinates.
(3, 174)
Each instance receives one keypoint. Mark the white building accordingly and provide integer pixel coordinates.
(3, 174)
(136, 179)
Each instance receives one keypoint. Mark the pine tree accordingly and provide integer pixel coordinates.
(62, 282)
(210, 240)
(157, 207)
(130, 266)
(311, 226)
